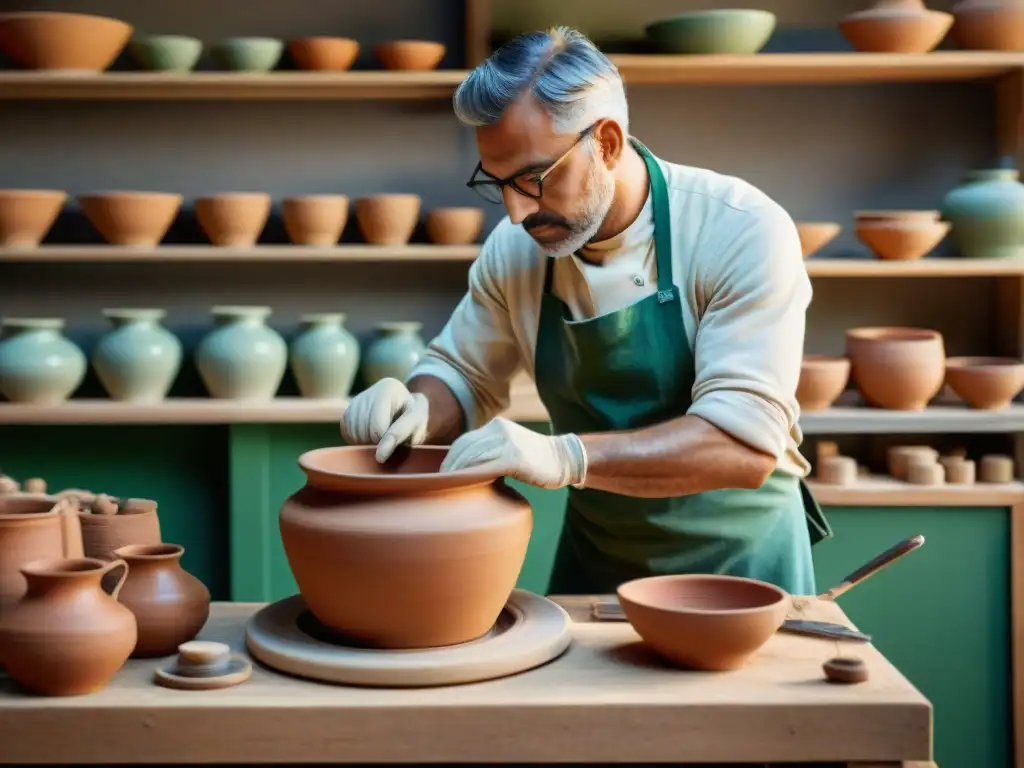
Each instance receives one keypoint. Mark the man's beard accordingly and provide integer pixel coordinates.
(599, 191)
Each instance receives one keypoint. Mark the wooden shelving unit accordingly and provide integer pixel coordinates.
(887, 492)
(87, 254)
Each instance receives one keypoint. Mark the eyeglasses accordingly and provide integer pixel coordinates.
(528, 183)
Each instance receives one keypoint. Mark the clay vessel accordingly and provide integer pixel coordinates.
(454, 226)
(400, 555)
(742, 31)
(324, 357)
(387, 219)
(704, 622)
(131, 218)
(170, 604)
(166, 53)
(233, 218)
(896, 26)
(243, 358)
(816, 235)
(247, 54)
(138, 360)
(987, 214)
(38, 364)
(27, 215)
(104, 531)
(901, 236)
(394, 353)
(334, 54)
(409, 54)
(822, 379)
(62, 41)
(989, 25)
(315, 219)
(33, 527)
(66, 636)
(990, 383)
(896, 368)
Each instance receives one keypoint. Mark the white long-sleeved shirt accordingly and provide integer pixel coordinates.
(738, 265)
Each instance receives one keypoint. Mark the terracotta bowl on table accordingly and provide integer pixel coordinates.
(62, 41)
(702, 621)
(815, 235)
(988, 383)
(822, 379)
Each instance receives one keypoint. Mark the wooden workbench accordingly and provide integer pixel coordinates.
(605, 700)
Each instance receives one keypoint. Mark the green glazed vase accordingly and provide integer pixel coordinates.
(324, 356)
(242, 358)
(138, 360)
(166, 53)
(248, 54)
(394, 353)
(38, 364)
(987, 214)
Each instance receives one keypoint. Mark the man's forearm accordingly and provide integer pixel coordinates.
(446, 421)
(676, 458)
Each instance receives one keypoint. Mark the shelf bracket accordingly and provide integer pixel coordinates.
(478, 31)
(1010, 115)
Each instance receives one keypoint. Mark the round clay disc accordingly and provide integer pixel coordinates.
(531, 631)
(239, 670)
(845, 670)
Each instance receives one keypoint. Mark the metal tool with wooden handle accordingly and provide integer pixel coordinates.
(888, 557)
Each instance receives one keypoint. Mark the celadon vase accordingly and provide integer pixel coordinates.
(38, 364)
(324, 356)
(242, 358)
(397, 348)
(987, 214)
(138, 359)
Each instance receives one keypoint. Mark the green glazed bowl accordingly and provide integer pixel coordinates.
(166, 53)
(248, 54)
(734, 30)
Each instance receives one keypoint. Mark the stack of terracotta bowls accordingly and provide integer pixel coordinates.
(900, 235)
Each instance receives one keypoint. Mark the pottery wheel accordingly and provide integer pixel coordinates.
(530, 631)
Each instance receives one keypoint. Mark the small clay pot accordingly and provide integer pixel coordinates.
(234, 219)
(989, 25)
(131, 218)
(333, 54)
(62, 41)
(901, 236)
(896, 368)
(822, 379)
(837, 470)
(26, 215)
(103, 534)
(247, 54)
(410, 55)
(315, 219)
(816, 235)
(170, 605)
(896, 26)
(454, 226)
(388, 219)
(996, 468)
(899, 457)
(989, 383)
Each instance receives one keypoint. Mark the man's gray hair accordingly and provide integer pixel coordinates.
(561, 69)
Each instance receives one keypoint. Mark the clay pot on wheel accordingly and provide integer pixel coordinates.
(989, 25)
(27, 215)
(400, 555)
(989, 383)
(896, 368)
(896, 26)
(822, 379)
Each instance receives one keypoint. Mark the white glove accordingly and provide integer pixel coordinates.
(514, 451)
(387, 414)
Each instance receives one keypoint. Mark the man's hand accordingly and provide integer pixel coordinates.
(386, 415)
(520, 453)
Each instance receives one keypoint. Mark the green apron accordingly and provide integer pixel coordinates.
(631, 369)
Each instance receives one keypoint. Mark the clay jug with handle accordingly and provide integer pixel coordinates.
(66, 636)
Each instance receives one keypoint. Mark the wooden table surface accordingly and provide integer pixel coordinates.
(605, 700)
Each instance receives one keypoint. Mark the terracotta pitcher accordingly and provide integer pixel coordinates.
(33, 526)
(66, 636)
(170, 604)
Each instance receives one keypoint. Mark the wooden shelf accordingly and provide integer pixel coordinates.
(956, 419)
(933, 267)
(259, 253)
(886, 491)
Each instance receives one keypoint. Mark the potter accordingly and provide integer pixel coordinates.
(660, 309)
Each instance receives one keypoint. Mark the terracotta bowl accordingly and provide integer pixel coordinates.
(324, 53)
(233, 218)
(26, 215)
(898, 215)
(454, 226)
(998, 27)
(822, 379)
(816, 235)
(409, 54)
(704, 622)
(401, 555)
(989, 383)
(131, 218)
(315, 219)
(900, 32)
(388, 219)
(896, 368)
(62, 41)
(901, 239)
